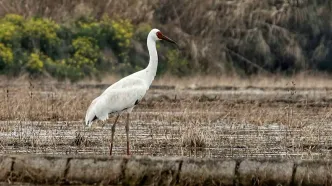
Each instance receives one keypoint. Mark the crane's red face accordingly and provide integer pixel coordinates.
(162, 37)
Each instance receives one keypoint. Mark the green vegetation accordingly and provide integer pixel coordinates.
(40, 45)
(35, 64)
(6, 57)
(177, 64)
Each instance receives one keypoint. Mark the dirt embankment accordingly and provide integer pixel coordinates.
(161, 171)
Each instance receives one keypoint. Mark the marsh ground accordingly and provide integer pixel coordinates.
(289, 118)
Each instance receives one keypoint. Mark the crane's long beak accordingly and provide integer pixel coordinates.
(169, 40)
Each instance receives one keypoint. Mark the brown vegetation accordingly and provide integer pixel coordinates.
(291, 120)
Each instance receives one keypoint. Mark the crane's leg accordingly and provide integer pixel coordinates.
(127, 133)
(113, 130)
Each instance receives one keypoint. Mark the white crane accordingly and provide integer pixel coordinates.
(123, 95)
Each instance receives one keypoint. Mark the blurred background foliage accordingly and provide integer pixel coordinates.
(74, 39)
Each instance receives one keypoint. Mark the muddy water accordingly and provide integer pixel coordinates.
(216, 139)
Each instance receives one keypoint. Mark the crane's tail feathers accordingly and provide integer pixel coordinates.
(90, 114)
(98, 109)
(89, 118)
(89, 122)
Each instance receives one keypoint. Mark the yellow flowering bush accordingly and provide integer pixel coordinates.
(6, 56)
(86, 52)
(73, 51)
(11, 29)
(35, 64)
(123, 32)
(8, 32)
(14, 18)
(41, 28)
(41, 34)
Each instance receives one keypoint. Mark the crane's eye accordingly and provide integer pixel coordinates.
(159, 35)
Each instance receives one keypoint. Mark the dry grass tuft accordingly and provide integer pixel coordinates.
(80, 140)
(193, 138)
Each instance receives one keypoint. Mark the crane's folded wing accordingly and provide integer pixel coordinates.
(127, 82)
(114, 100)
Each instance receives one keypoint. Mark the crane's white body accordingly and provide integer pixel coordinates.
(123, 95)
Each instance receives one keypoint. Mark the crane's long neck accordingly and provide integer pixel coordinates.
(151, 69)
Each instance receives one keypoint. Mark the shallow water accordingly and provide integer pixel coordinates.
(155, 138)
